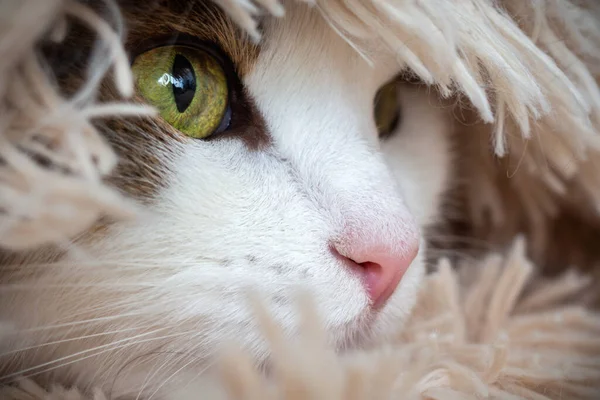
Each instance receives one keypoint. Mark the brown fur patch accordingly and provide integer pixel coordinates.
(247, 123)
(144, 148)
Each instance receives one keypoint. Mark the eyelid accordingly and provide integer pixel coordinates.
(181, 39)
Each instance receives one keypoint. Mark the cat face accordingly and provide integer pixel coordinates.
(277, 181)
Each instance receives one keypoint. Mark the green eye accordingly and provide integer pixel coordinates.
(387, 109)
(187, 86)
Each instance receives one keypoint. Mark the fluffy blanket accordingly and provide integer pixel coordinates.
(524, 72)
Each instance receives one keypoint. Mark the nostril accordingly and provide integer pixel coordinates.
(383, 271)
(382, 280)
(371, 274)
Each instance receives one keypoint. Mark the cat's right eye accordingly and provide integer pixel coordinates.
(387, 109)
(187, 85)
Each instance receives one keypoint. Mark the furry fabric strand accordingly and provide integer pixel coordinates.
(53, 160)
(492, 330)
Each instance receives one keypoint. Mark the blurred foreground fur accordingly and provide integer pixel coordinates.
(491, 330)
(488, 330)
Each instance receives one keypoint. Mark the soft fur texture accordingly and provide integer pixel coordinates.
(127, 294)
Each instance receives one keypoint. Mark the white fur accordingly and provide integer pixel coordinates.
(232, 219)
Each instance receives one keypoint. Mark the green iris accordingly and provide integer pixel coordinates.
(387, 109)
(187, 86)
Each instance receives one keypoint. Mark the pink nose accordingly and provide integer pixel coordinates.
(381, 263)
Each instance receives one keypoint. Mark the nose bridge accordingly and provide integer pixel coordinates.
(345, 175)
(327, 135)
(318, 113)
(343, 170)
(336, 159)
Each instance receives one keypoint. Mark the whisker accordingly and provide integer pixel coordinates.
(97, 354)
(117, 263)
(107, 348)
(78, 353)
(70, 340)
(173, 375)
(144, 355)
(13, 287)
(111, 306)
(153, 374)
(77, 323)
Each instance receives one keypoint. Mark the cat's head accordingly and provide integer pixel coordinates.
(267, 171)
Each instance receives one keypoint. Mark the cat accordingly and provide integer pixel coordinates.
(268, 169)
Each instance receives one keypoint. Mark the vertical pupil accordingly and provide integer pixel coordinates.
(184, 82)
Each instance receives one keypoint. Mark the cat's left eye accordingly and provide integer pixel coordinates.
(387, 109)
(187, 85)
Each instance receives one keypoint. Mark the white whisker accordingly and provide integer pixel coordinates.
(162, 366)
(77, 323)
(173, 375)
(12, 287)
(107, 348)
(70, 340)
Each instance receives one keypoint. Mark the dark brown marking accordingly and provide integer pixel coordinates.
(247, 123)
(145, 148)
